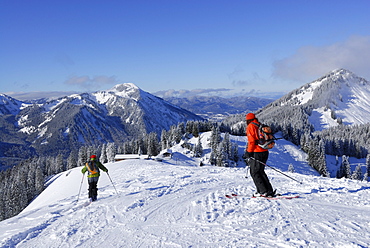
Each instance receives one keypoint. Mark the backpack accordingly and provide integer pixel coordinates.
(92, 167)
(266, 139)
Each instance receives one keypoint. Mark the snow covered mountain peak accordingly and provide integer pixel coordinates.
(339, 97)
(327, 88)
(343, 76)
(127, 90)
(125, 87)
(341, 73)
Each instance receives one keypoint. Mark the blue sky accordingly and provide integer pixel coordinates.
(246, 46)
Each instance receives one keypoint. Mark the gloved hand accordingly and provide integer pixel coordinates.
(248, 155)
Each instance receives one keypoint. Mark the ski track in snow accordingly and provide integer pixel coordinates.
(172, 204)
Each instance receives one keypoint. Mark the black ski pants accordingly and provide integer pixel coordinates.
(258, 174)
(93, 187)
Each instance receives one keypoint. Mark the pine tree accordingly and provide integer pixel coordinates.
(342, 169)
(31, 177)
(103, 154)
(367, 174)
(41, 161)
(345, 168)
(139, 152)
(82, 156)
(215, 138)
(227, 144)
(189, 126)
(164, 140)
(195, 130)
(72, 160)
(323, 170)
(59, 164)
(221, 156)
(177, 134)
(348, 168)
(127, 148)
(2, 204)
(198, 149)
(39, 180)
(181, 128)
(17, 198)
(153, 144)
(357, 174)
(111, 152)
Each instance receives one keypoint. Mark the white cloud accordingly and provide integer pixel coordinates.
(91, 83)
(310, 62)
(190, 93)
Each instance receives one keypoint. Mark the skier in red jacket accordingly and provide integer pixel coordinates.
(257, 169)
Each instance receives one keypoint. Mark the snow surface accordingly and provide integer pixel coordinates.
(177, 203)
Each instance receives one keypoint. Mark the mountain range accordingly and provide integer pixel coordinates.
(217, 108)
(49, 127)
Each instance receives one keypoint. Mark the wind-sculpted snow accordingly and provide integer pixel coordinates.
(176, 203)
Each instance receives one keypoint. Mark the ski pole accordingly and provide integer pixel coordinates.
(276, 170)
(79, 191)
(112, 183)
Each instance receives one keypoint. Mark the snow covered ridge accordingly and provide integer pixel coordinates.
(336, 98)
(176, 203)
(9, 105)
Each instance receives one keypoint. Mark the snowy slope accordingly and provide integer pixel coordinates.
(176, 203)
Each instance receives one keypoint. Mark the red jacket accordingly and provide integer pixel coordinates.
(252, 135)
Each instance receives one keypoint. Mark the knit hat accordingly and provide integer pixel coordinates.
(92, 157)
(250, 116)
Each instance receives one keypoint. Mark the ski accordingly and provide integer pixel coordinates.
(277, 197)
(231, 196)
